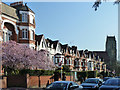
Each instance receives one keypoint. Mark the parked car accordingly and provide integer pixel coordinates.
(117, 77)
(64, 85)
(106, 78)
(92, 83)
(111, 84)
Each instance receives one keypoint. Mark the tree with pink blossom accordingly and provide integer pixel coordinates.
(18, 56)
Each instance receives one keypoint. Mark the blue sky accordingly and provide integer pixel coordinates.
(76, 23)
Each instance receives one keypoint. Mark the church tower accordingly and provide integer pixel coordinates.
(111, 50)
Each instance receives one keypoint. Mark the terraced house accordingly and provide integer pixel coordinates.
(76, 60)
(18, 24)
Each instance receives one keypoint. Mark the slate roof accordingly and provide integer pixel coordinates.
(74, 48)
(64, 46)
(22, 7)
(49, 41)
(102, 55)
(38, 39)
(9, 11)
(81, 52)
(13, 11)
(55, 44)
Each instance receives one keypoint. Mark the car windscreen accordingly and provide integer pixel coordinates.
(58, 85)
(114, 82)
(91, 81)
(106, 78)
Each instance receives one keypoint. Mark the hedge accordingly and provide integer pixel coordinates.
(88, 74)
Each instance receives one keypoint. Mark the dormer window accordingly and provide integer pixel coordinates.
(24, 17)
(24, 33)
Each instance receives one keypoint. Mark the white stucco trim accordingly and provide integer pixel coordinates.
(32, 28)
(32, 45)
(16, 30)
(1, 38)
(27, 27)
(24, 27)
(9, 18)
(28, 12)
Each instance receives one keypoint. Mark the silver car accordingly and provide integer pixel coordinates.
(64, 85)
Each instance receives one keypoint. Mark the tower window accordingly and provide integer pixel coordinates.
(24, 17)
(25, 33)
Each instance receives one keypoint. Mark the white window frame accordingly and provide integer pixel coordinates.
(24, 17)
(6, 35)
(24, 34)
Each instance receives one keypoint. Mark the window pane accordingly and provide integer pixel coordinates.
(3, 37)
(26, 34)
(23, 34)
(6, 37)
(24, 17)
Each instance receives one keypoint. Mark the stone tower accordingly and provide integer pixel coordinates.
(111, 50)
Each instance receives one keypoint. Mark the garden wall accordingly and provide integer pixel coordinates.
(31, 81)
(17, 81)
(3, 82)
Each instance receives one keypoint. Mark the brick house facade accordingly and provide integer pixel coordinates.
(18, 24)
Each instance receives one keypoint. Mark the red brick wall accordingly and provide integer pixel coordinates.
(46, 80)
(3, 82)
(69, 78)
(31, 81)
(16, 81)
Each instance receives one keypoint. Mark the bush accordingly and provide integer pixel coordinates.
(28, 71)
(88, 74)
(91, 74)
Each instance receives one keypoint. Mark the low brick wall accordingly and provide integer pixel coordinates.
(46, 80)
(31, 81)
(42, 81)
(17, 81)
(3, 82)
(38, 81)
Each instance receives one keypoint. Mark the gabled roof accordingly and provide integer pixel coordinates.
(81, 52)
(38, 39)
(22, 7)
(64, 46)
(74, 48)
(102, 55)
(49, 41)
(55, 44)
